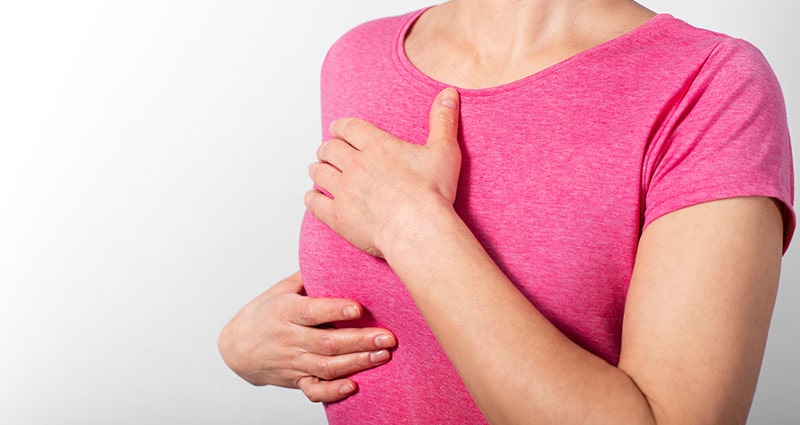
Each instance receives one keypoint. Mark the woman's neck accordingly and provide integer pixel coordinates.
(479, 43)
(509, 26)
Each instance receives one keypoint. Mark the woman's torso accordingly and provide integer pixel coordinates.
(556, 169)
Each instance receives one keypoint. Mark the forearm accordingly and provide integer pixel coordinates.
(518, 367)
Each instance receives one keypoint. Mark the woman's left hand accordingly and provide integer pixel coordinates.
(378, 183)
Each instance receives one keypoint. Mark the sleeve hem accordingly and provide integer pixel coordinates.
(703, 196)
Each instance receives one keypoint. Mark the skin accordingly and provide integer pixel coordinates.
(478, 44)
(277, 339)
(700, 300)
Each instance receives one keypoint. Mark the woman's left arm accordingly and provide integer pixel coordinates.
(696, 317)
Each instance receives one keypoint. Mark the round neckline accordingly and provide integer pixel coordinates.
(409, 70)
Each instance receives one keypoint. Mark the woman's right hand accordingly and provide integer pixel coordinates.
(276, 339)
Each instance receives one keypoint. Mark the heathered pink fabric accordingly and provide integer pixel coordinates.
(562, 170)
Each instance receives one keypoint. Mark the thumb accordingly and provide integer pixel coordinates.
(443, 141)
(443, 130)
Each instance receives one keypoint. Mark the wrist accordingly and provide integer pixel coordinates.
(421, 226)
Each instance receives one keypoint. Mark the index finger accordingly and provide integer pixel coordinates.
(310, 311)
(355, 131)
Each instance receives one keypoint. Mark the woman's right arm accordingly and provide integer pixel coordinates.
(277, 339)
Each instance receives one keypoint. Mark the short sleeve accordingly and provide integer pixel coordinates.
(727, 137)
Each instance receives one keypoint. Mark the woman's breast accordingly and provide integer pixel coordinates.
(419, 375)
(332, 267)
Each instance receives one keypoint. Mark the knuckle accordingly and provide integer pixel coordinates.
(317, 173)
(348, 126)
(448, 116)
(308, 201)
(360, 362)
(324, 370)
(298, 363)
(353, 126)
(304, 314)
(312, 200)
(311, 392)
(321, 150)
(312, 395)
(327, 345)
(365, 362)
(313, 171)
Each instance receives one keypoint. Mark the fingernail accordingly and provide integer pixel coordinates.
(347, 388)
(384, 341)
(379, 356)
(449, 98)
(351, 312)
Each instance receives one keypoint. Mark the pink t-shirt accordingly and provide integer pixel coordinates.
(562, 170)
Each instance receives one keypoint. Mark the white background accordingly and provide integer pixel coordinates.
(152, 165)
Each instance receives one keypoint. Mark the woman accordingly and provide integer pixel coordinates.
(588, 230)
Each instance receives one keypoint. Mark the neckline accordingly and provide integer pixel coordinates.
(409, 70)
